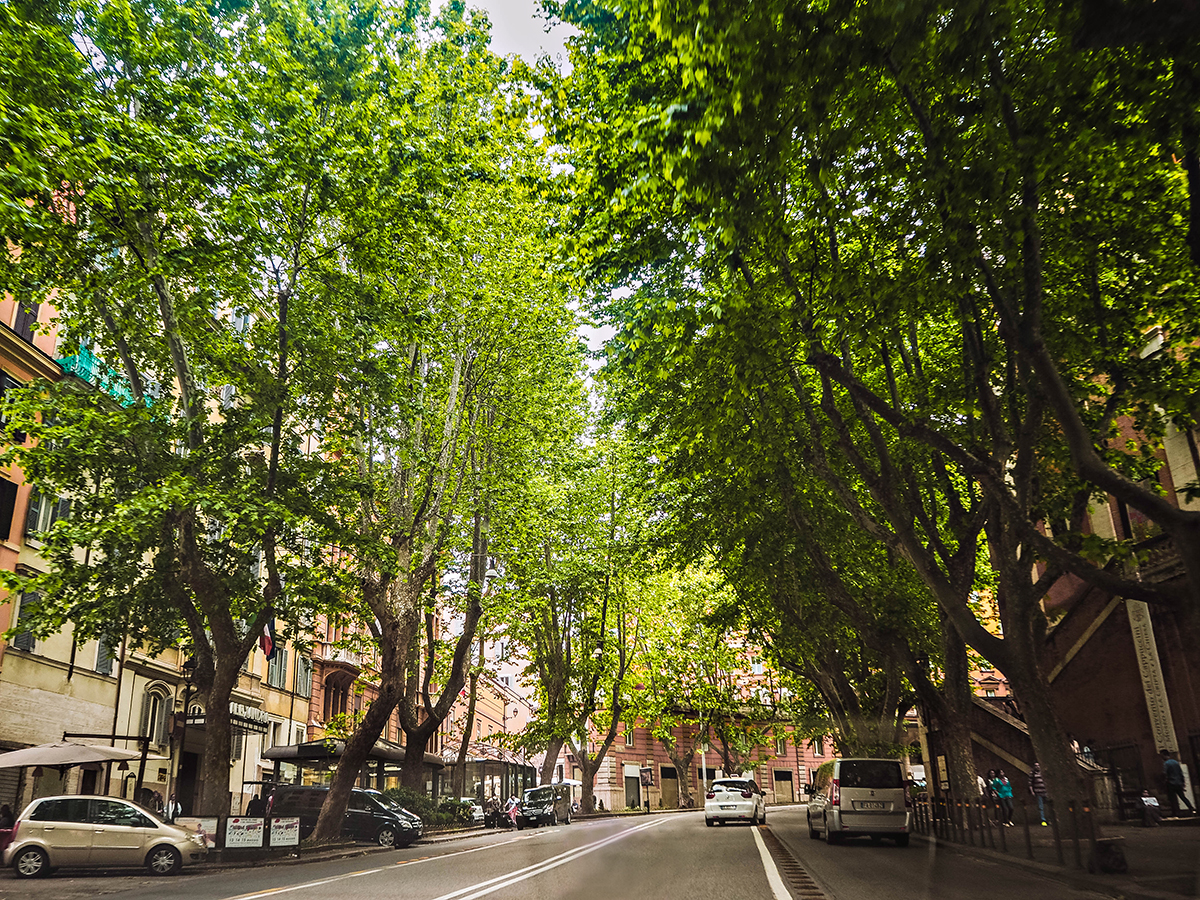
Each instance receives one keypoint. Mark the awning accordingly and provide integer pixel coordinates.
(66, 753)
(325, 750)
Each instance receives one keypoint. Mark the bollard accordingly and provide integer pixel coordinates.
(1075, 834)
(1028, 837)
(1050, 805)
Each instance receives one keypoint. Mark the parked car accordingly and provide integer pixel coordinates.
(366, 819)
(734, 800)
(92, 831)
(861, 796)
(390, 803)
(549, 804)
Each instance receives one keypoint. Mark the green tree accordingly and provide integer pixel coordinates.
(201, 167)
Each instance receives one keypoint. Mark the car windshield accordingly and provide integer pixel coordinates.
(539, 795)
(870, 773)
(732, 786)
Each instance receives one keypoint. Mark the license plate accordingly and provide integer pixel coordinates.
(870, 804)
(729, 807)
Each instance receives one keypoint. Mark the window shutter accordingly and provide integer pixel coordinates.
(144, 729)
(104, 658)
(160, 723)
(27, 315)
(24, 640)
(61, 511)
(31, 515)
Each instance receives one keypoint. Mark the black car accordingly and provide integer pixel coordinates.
(367, 819)
(418, 825)
(549, 804)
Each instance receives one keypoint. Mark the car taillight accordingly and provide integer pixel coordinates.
(747, 794)
(710, 795)
(835, 794)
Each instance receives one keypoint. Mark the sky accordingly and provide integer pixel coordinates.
(518, 28)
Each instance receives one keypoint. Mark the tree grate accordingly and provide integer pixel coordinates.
(790, 869)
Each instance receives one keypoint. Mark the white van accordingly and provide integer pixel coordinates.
(861, 796)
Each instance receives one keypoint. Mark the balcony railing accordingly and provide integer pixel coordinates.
(89, 367)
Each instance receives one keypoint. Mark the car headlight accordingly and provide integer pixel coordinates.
(198, 839)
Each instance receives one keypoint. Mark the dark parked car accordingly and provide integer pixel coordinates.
(549, 804)
(367, 818)
(418, 825)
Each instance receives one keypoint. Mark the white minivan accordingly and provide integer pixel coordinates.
(860, 797)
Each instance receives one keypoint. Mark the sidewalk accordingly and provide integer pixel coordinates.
(1164, 863)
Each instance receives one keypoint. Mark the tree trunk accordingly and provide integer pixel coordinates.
(354, 756)
(214, 766)
(683, 767)
(459, 785)
(553, 748)
(954, 717)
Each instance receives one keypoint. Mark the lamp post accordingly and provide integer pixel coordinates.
(189, 669)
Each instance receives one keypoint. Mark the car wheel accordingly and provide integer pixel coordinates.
(387, 837)
(32, 862)
(812, 832)
(754, 818)
(830, 837)
(902, 840)
(164, 860)
(708, 822)
(762, 819)
(520, 828)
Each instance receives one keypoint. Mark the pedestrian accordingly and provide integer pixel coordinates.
(511, 809)
(990, 789)
(172, 809)
(1173, 772)
(1151, 811)
(981, 784)
(1004, 794)
(1037, 787)
(256, 806)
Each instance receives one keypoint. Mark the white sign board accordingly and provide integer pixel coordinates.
(285, 832)
(243, 832)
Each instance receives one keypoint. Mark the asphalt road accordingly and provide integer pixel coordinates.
(673, 857)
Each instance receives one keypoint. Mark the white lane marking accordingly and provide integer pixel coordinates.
(777, 887)
(272, 892)
(492, 885)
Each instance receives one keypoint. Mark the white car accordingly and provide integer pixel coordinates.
(735, 800)
(861, 797)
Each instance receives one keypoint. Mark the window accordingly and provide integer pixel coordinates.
(277, 668)
(7, 383)
(989, 693)
(237, 744)
(154, 714)
(818, 747)
(65, 809)
(114, 812)
(780, 746)
(8, 504)
(44, 510)
(757, 668)
(104, 658)
(26, 318)
(628, 738)
(302, 684)
(24, 639)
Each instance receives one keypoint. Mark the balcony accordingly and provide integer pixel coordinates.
(90, 368)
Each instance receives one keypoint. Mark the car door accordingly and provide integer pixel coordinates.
(121, 834)
(359, 823)
(66, 829)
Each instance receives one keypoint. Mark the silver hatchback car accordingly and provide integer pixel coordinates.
(861, 796)
(95, 831)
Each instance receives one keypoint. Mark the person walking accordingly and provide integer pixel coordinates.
(1004, 794)
(989, 782)
(172, 809)
(1037, 787)
(1173, 772)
